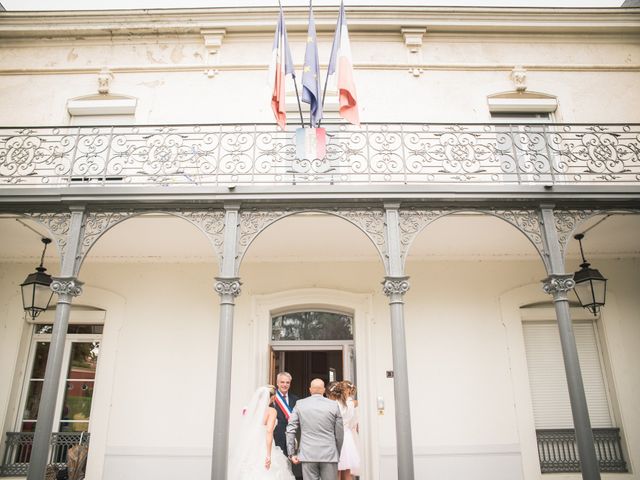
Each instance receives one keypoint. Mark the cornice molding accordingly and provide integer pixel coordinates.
(92, 70)
(620, 21)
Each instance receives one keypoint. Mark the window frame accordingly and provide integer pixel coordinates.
(70, 339)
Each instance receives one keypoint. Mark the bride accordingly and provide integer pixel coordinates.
(255, 457)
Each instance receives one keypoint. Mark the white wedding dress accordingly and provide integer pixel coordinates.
(250, 451)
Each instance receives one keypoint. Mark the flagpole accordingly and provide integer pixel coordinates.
(326, 80)
(324, 94)
(298, 97)
(293, 76)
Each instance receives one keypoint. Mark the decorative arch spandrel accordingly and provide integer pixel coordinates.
(57, 224)
(527, 221)
(568, 222)
(96, 224)
(369, 221)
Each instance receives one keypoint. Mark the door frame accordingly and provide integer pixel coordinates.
(360, 305)
(346, 346)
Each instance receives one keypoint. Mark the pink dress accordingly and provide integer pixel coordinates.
(349, 455)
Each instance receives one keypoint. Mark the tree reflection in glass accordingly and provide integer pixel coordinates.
(312, 325)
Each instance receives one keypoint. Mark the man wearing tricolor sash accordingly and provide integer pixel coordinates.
(284, 403)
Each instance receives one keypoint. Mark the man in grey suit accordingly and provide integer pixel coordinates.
(321, 433)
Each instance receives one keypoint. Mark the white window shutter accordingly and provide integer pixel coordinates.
(547, 378)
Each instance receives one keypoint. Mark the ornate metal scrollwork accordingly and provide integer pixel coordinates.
(228, 286)
(555, 284)
(57, 224)
(528, 222)
(95, 225)
(567, 221)
(412, 222)
(260, 154)
(395, 285)
(211, 223)
(67, 286)
(369, 221)
(252, 222)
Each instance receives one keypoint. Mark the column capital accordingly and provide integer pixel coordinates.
(227, 286)
(558, 284)
(67, 286)
(393, 285)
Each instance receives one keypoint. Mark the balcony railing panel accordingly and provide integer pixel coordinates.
(371, 154)
(17, 452)
(558, 451)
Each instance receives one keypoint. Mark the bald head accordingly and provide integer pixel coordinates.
(316, 387)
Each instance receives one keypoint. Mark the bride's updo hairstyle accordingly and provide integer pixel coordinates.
(271, 388)
(350, 388)
(337, 391)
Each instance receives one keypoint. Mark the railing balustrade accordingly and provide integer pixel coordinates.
(372, 154)
(558, 451)
(17, 451)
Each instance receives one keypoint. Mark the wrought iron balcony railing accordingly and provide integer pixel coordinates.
(255, 155)
(558, 451)
(17, 452)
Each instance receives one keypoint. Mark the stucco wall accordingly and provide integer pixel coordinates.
(167, 75)
(465, 397)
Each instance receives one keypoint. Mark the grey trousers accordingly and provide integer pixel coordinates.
(319, 471)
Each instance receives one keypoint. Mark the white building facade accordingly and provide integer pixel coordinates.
(428, 257)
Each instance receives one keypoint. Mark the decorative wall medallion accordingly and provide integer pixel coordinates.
(519, 78)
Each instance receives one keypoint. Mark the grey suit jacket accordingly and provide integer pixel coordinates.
(321, 430)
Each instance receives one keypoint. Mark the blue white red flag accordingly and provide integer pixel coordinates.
(311, 143)
(340, 71)
(281, 65)
(311, 74)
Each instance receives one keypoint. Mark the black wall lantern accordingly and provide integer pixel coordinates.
(591, 286)
(36, 291)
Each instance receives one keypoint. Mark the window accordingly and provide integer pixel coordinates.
(312, 325)
(80, 360)
(102, 109)
(555, 433)
(550, 396)
(524, 138)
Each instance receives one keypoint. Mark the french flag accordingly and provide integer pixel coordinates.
(340, 71)
(281, 65)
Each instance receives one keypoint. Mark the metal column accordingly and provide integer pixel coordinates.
(66, 286)
(228, 287)
(558, 283)
(395, 285)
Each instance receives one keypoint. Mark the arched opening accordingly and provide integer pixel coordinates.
(309, 262)
(460, 380)
(162, 343)
(604, 344)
